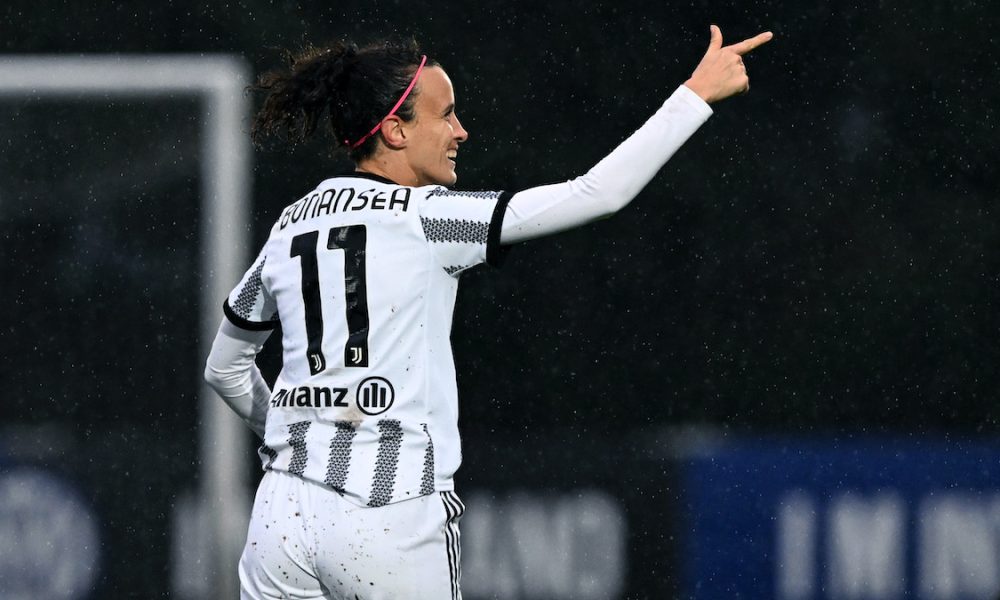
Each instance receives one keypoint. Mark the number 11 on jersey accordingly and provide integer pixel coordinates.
(352, 240)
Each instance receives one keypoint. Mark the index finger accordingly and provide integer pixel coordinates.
(747, 45)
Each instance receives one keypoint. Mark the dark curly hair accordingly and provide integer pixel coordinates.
(357, 87)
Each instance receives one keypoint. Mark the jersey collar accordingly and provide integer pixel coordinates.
(371, 176)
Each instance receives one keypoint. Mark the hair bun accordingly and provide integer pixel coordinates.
(350, 87)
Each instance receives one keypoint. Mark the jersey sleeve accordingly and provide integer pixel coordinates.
(613, 182)
(249, 306)
(463, 228)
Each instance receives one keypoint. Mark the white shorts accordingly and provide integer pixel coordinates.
(306, 541)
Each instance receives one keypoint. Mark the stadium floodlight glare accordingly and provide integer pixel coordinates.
(218, 81)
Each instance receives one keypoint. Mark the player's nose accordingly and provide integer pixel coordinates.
(460, 133)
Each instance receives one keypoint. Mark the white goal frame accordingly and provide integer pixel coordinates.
(219, 83)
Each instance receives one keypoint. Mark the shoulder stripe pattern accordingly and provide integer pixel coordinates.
(242, 323)
(248, 295)
(242, 307)
(454, 509)
(455, 230)
(340, 455)
(487, 195)
(297, 440)
(389, 442)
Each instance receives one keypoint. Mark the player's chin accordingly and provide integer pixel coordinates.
(448, 176)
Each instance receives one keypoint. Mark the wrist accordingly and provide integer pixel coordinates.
(693, 85)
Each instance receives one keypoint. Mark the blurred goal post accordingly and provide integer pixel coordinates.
(218, 83)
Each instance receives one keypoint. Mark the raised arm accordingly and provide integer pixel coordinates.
(614, 181)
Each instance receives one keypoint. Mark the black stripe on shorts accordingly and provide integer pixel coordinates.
(454, 509)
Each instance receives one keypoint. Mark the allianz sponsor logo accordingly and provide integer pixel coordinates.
(374, 396)
(309, 397)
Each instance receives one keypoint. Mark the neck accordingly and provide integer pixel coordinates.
(390, 169)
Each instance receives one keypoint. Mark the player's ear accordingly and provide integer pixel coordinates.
(393, 132)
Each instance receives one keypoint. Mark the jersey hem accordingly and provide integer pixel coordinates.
(363, 501)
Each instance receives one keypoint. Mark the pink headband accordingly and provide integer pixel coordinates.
(409, 88)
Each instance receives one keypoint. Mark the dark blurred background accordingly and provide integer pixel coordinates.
(820, 258)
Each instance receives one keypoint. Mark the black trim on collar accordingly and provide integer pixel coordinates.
(371, 176)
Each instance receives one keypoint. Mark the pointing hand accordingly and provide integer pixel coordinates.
(721, 72)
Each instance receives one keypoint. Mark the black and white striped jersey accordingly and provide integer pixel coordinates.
(362, 274)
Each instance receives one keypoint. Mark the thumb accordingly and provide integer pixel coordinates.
(716, 42)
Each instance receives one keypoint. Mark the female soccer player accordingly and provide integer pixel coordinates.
(360, 432)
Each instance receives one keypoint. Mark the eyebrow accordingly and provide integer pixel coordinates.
(448, 109)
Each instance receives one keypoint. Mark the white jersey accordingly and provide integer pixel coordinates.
(362, 274)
